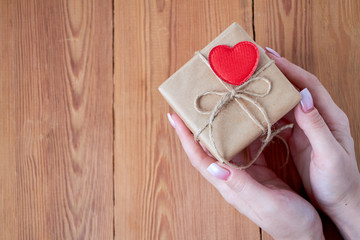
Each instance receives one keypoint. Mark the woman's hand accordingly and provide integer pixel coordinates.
(255, 192)
(323, 150)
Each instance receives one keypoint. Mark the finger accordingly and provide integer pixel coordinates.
(332, 114)
(237, 180)
(312, 123)
(198, 158)
(298, 76)
(227, 180)
(298, 142)
(239, 186)
(206, 150)
(256, 200)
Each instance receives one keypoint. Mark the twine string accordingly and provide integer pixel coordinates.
(235, 94)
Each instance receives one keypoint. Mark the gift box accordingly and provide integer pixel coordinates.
(226, 116)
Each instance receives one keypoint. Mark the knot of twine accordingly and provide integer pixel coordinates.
(234, 94)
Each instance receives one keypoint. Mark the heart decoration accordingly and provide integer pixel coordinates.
(234, 65)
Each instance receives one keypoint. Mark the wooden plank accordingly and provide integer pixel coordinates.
(56, 143)
(158, 195)
(322, 38)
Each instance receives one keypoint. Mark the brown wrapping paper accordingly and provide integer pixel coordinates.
(233, 130)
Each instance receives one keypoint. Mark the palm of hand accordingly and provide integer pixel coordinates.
(255, 192)
(281, 197)
(321, 176)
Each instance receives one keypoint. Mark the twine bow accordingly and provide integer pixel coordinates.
(235, 94)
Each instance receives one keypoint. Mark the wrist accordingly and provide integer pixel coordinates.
(346, 215)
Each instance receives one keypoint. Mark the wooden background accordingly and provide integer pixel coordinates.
(86, 151)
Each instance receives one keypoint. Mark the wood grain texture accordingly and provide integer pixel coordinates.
(56, 111)
(158, 194)
(323, 39)
(56, 119)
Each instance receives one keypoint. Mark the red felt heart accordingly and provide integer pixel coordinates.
(234, 65)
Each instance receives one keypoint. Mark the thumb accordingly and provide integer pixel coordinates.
(312, 123)
(240, 182)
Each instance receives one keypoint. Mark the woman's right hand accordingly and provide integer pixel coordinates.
(323, 150)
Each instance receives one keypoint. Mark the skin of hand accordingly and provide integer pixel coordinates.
(255, 192)
(327, 168)
(323, 150)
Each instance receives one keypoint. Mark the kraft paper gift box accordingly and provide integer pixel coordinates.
(232, 128)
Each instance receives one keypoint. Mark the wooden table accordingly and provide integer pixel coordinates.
(86, 151)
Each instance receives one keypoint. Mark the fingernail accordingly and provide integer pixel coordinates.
(272, 51)
(219, 172)
(171, 120)
(307, 103)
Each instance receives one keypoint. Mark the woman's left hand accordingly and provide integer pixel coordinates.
(255, 192)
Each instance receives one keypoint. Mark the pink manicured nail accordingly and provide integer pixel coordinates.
(171, 120)
(219, 172)
(307, 103)
(272, 51)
